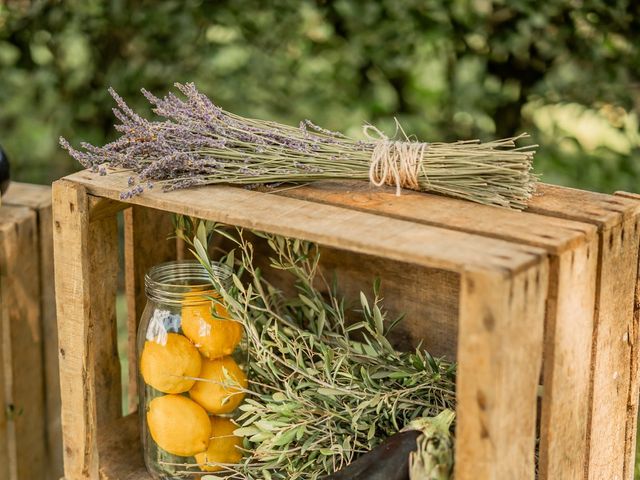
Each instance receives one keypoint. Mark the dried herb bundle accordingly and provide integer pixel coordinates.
(321, 392)
(198, 143)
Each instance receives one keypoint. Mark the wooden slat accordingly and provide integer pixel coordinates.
(328, 225)
(616, 219)
(634, 381)
(86, 257)
(38, 198)
(22, 365)
(552, 234)
(499, 361)
(146, 244)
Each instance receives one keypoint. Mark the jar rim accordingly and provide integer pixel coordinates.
(173, 282)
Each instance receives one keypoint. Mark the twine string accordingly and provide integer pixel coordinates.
(394, 162)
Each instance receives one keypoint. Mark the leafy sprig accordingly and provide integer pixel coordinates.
(322, 391)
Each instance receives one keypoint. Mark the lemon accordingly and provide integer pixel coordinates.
(214, 337)
(215, 392)
(178, 425)
(164, 367)
(223, 445)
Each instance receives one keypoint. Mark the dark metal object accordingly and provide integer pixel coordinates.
(388, 461)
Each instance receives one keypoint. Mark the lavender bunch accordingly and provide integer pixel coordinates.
(195, 142)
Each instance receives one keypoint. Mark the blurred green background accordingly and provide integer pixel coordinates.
(568, 72)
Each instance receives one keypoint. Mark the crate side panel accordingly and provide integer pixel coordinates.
(22, 349)
(86, 262)
(499, 360)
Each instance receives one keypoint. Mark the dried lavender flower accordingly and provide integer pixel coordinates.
(197, 143)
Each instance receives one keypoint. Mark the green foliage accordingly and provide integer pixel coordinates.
(566, 71)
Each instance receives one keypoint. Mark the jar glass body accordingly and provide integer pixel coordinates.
(190, 375)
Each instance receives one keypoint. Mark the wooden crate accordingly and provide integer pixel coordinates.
(30, 431)
(478, 285)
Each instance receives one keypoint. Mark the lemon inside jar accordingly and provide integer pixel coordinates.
(219, 388)
(170, 366)
(178, 425)
(208, 325)
(224, 447)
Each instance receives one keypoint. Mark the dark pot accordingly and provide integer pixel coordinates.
(5, 173)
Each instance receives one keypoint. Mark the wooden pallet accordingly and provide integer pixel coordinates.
(495, 290)
(30, 431)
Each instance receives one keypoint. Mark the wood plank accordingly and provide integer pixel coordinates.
(6, 436)
(146, 244)
(634, 381)
(86, 258)
(553, 234)
(499, 361)
(22, 344)
(567, 362)
(27, 195)
(616, 219)
(331, 226)
(38, 198)
(50, 335)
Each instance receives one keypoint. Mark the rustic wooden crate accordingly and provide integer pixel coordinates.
(477, 283)
(30, 431)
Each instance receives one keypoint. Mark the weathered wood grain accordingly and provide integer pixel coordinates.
(499, 361)
(23, 369)
(146, 243)
(38, 198)
(328, 225)
(634, 381)
(616, 219)
(86, 258)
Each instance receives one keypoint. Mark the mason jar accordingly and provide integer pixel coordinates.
(191, 378)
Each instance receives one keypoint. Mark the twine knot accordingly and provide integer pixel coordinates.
(394, 162)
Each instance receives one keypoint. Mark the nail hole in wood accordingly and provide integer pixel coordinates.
(482, 400)
(471, 285)
(489, 321)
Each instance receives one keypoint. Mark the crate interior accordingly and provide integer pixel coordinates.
(426, 297)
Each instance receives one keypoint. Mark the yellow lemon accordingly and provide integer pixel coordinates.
(223, 445)
(215, 392)
(178, 425)
(164, 367)
(215, 336)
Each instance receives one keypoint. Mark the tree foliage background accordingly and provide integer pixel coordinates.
(566, 71)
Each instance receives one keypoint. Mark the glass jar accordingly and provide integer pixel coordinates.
(190, 376)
